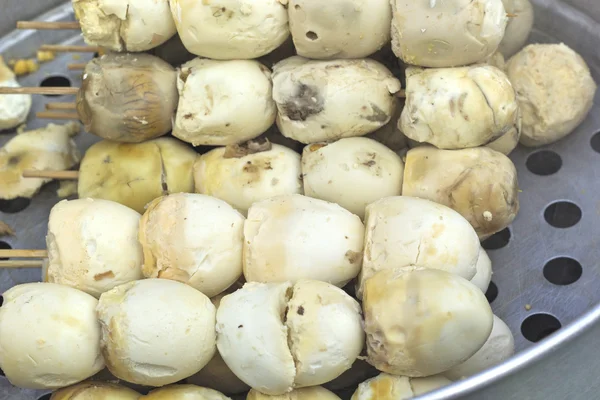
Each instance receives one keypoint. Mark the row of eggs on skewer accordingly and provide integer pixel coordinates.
(132, 98)
(426, 33)
(80, 246)
(352, 172)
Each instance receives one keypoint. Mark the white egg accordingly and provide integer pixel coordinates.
(156, 331)
(93, 245)
(194, 239)
(352, 172)
(49, 336)
(223, 102)
(293, 237)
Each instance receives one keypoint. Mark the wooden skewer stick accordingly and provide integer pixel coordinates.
(39, 90)
(60, 106)
(56, 115)
(17, 253)
(76, 66)
(59, 48)
(21, 264)
(48, 25)
(51, 174)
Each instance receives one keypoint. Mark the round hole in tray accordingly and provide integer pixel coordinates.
(55, 81)
(497, 240)
(595, 142)
(492, 292)
(4, 246)
(562, 214)
(14, 205)
(562, 271)
(537, 326)
(544, 163)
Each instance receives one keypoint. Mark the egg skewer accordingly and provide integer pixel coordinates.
(142, 92)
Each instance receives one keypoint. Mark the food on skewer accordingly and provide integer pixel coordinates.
(444, 320)
(456, 108)
(293, 237)
(446, 33)
(519, 26)
(134, 174)
(131, 25)
(402, 231)
(205, 253)
(93, 245)
(483, 276)
(272, 335)
(93, 390)
(339, 28)
(309, 393)
(184, 392)
(334, 171)
(124, 97)
(13, 108)
(51, 148)
(499, 346)
(225, 30)
(480, 183)
(245, 174)
(555, 91)
(156, 331)
(328, 100)
(49, 336)
(223, 102)
(127, 97)
(392, 387)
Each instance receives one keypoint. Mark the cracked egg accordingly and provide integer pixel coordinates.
(134, 174)
(405, 231)
(280, 336)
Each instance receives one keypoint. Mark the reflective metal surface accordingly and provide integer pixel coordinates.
(562, 366)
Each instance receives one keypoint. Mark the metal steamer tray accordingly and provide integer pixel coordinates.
(546, 265)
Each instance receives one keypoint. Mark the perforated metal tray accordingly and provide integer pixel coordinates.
(546, 265)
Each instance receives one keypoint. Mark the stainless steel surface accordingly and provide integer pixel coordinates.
(15, 10)
(564, 365)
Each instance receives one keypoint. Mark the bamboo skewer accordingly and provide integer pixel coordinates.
(58, 48)
(44, 25)
(56, 115)
(70, 175)
(31, 254)
(76, 66)
(16, 253)
(21, 264)
(39, 90)
(60, 106)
